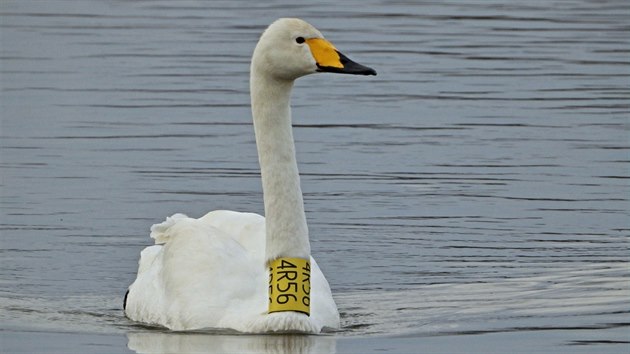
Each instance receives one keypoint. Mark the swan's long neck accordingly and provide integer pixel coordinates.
(286, 229)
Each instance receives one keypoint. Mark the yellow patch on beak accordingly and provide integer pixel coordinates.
(324, 52)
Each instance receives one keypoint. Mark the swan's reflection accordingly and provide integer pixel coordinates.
(169, 342)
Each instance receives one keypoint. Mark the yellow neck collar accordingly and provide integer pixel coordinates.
(290, 285)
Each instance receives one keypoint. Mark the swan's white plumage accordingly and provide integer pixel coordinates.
(211, 272)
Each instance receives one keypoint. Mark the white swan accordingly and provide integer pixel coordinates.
(214, 272)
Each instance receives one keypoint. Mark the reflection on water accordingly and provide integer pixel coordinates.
(155, 342)
(478, 183)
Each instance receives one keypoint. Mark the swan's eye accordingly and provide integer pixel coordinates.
(300, 40)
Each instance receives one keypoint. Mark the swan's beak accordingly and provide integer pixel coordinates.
(328, 59)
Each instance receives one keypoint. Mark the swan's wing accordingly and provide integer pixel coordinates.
(199, 277)
(248, 229)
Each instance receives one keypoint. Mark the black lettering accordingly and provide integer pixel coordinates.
(295, 287)
(284, 298)
(306, 288)
(288, 274)
(286, 264)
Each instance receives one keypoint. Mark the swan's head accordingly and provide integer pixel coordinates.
(290, 48)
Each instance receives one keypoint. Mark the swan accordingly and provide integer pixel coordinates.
(241, 271)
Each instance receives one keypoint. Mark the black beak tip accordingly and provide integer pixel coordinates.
(358, 69)
(355, 68)
(370, 71)
(349, 67)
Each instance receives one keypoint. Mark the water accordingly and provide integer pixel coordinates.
(474, 195)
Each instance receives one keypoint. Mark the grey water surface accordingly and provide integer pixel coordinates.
(472, 197)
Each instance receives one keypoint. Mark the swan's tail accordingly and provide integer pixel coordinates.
(159, 232)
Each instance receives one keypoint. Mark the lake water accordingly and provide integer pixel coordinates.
(472, 197)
